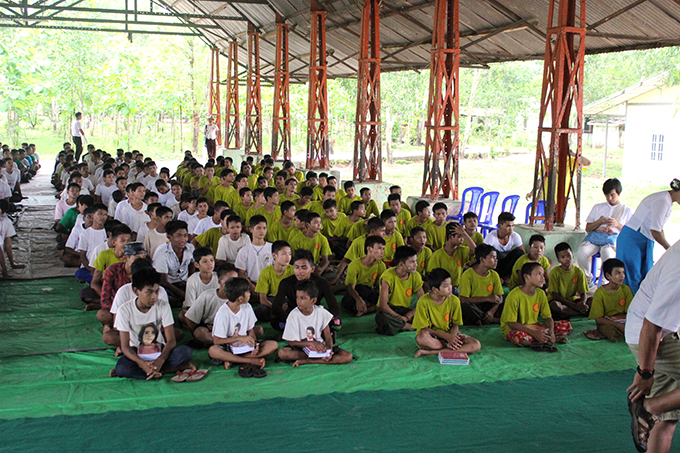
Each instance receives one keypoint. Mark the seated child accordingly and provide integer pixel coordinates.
(568, 287)
(417, 241)
(120, 236)
(370, 204)
(345, 203)
(147, 336)
(393, 238)
(173, 261)
(211, 238)
(401, 210)
(438, 317)
(455, 254)
(421, 219)
(330, 220)
(317, 206)
(281, 230)
(145, 227)
(436, 231)
(305, 200)
(374, 227)
(397, 287)
(199, 282)
(256, 255)
(289, 193)
(507, 243)
(268, 284)
(89, 240)
(189, 215)
(470, 222)
(534, 255)
(234, 327)
(7, 232)
(523, 306)
(363, 278)
(396, 190)
(157, 237)
(345, 225)
(611, 301)
(312, 239)
(307, 327)
(231, 243)
(481, 292)
(241, 208)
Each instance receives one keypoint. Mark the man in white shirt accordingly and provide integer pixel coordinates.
(652, 324)
(78, 133)
(212, 130)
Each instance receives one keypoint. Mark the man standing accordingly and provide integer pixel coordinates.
(652, 324)
(78, 133)
(211, 131)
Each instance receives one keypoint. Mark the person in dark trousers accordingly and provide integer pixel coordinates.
(78, 133)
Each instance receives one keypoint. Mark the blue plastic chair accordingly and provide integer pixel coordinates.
(593, 270)
(540, 211)
(487, 204)
(510, 204)
(475, 193)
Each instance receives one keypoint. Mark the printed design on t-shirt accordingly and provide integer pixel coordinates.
(394, 245)
(317, 246)
(267, 260)
(489, 287)
(446, 317)
(401, 221)
(310, 333)
(237, 327)
(459, 262)
(575, 279)
(422, 264)
(409, 291)
(374, 276)
(148, 340)
(536, 307)
(622, 301)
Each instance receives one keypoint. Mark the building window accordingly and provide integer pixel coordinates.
(657, 147)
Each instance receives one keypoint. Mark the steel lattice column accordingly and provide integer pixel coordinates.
(232, 123)
(253, 95)
(317, 111)
(561, 114)
(367, 136)
(440, 176)
(214, 107)
(281, 116)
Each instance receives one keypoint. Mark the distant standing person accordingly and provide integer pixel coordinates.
(635, 244)
(78, 133)
(211, 131)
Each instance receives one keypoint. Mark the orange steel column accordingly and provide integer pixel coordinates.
(317, 111)
(367, 136)
(281, 116)
(440, 177)
(232, 122)
(214, 108)
(253, 95)
(561, 114)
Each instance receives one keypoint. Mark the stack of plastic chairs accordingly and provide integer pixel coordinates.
(475, 194)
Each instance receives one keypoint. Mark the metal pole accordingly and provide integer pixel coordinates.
(317, 110)
(606, 143)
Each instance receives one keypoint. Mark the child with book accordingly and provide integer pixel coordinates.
(363, 278)
(534, 255)
(568, 287)
(523, 306)
(308, 333)
(481, 292)
(438, 317)
(233, 333)
(268, 284)
(611, 301)
(397, 287)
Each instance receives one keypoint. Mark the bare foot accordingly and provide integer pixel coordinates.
(407, 327)
(297, 363)
(92, 306)
(227, 365)
(112, 373)
(118, 353)
(418, 353)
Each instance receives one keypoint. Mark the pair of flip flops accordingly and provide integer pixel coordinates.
(189, 375)
(593, 335)
(248, 371)
(543, 347)
(640, 432)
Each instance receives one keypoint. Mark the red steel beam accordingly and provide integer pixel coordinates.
(367, 136)
(281, 140)
(557, 174)
(232, 123)
(214, 108)
(440, 177)
(317, 111)
(253, 95)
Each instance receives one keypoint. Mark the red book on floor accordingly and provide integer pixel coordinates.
(453, 358)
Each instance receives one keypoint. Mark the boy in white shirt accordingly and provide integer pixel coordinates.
(173, 261)
(307, 331)
(234, 335)
(229, 245)
(157, 237)
(90, 238)
(7, 232)
(257, 255)
(199, 282)
(105, 189)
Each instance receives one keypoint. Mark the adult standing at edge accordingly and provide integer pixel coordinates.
(78, 133)
(652, 323)
(211, 131)
(635, 244)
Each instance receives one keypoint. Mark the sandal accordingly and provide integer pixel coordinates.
(592, 334)
(182, 376)
(245, 371)
(543, 347)
(640, 433)
(197, 375)
(257, 372)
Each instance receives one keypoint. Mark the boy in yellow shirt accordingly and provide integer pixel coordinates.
(270, 210)
(436, 231)
(289, 191)
(344, 203)
(317, 206)
(403, 215)
(270, 277)
(523, 306)
(568, 287)
(281, 230)
(305, 200)
(470, 222)
(481, 292)
(345, 225)
(330, 220)
(370, 204)
(421, 219)
(396, 190)
(241, 208)
(611, 302)
(393, 238)
(363, 278)
(312, 239)
(224, 190)
(534, 255)
(454, 256)
(375, 227)
(438, 317)
(258, 202)
(417, 241)
(397, 287)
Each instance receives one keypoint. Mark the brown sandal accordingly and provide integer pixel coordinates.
(640, 433)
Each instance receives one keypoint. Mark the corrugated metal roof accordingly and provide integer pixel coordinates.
(628, 93)
(491, 30)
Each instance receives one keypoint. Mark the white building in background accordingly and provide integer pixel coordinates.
(649, 110)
